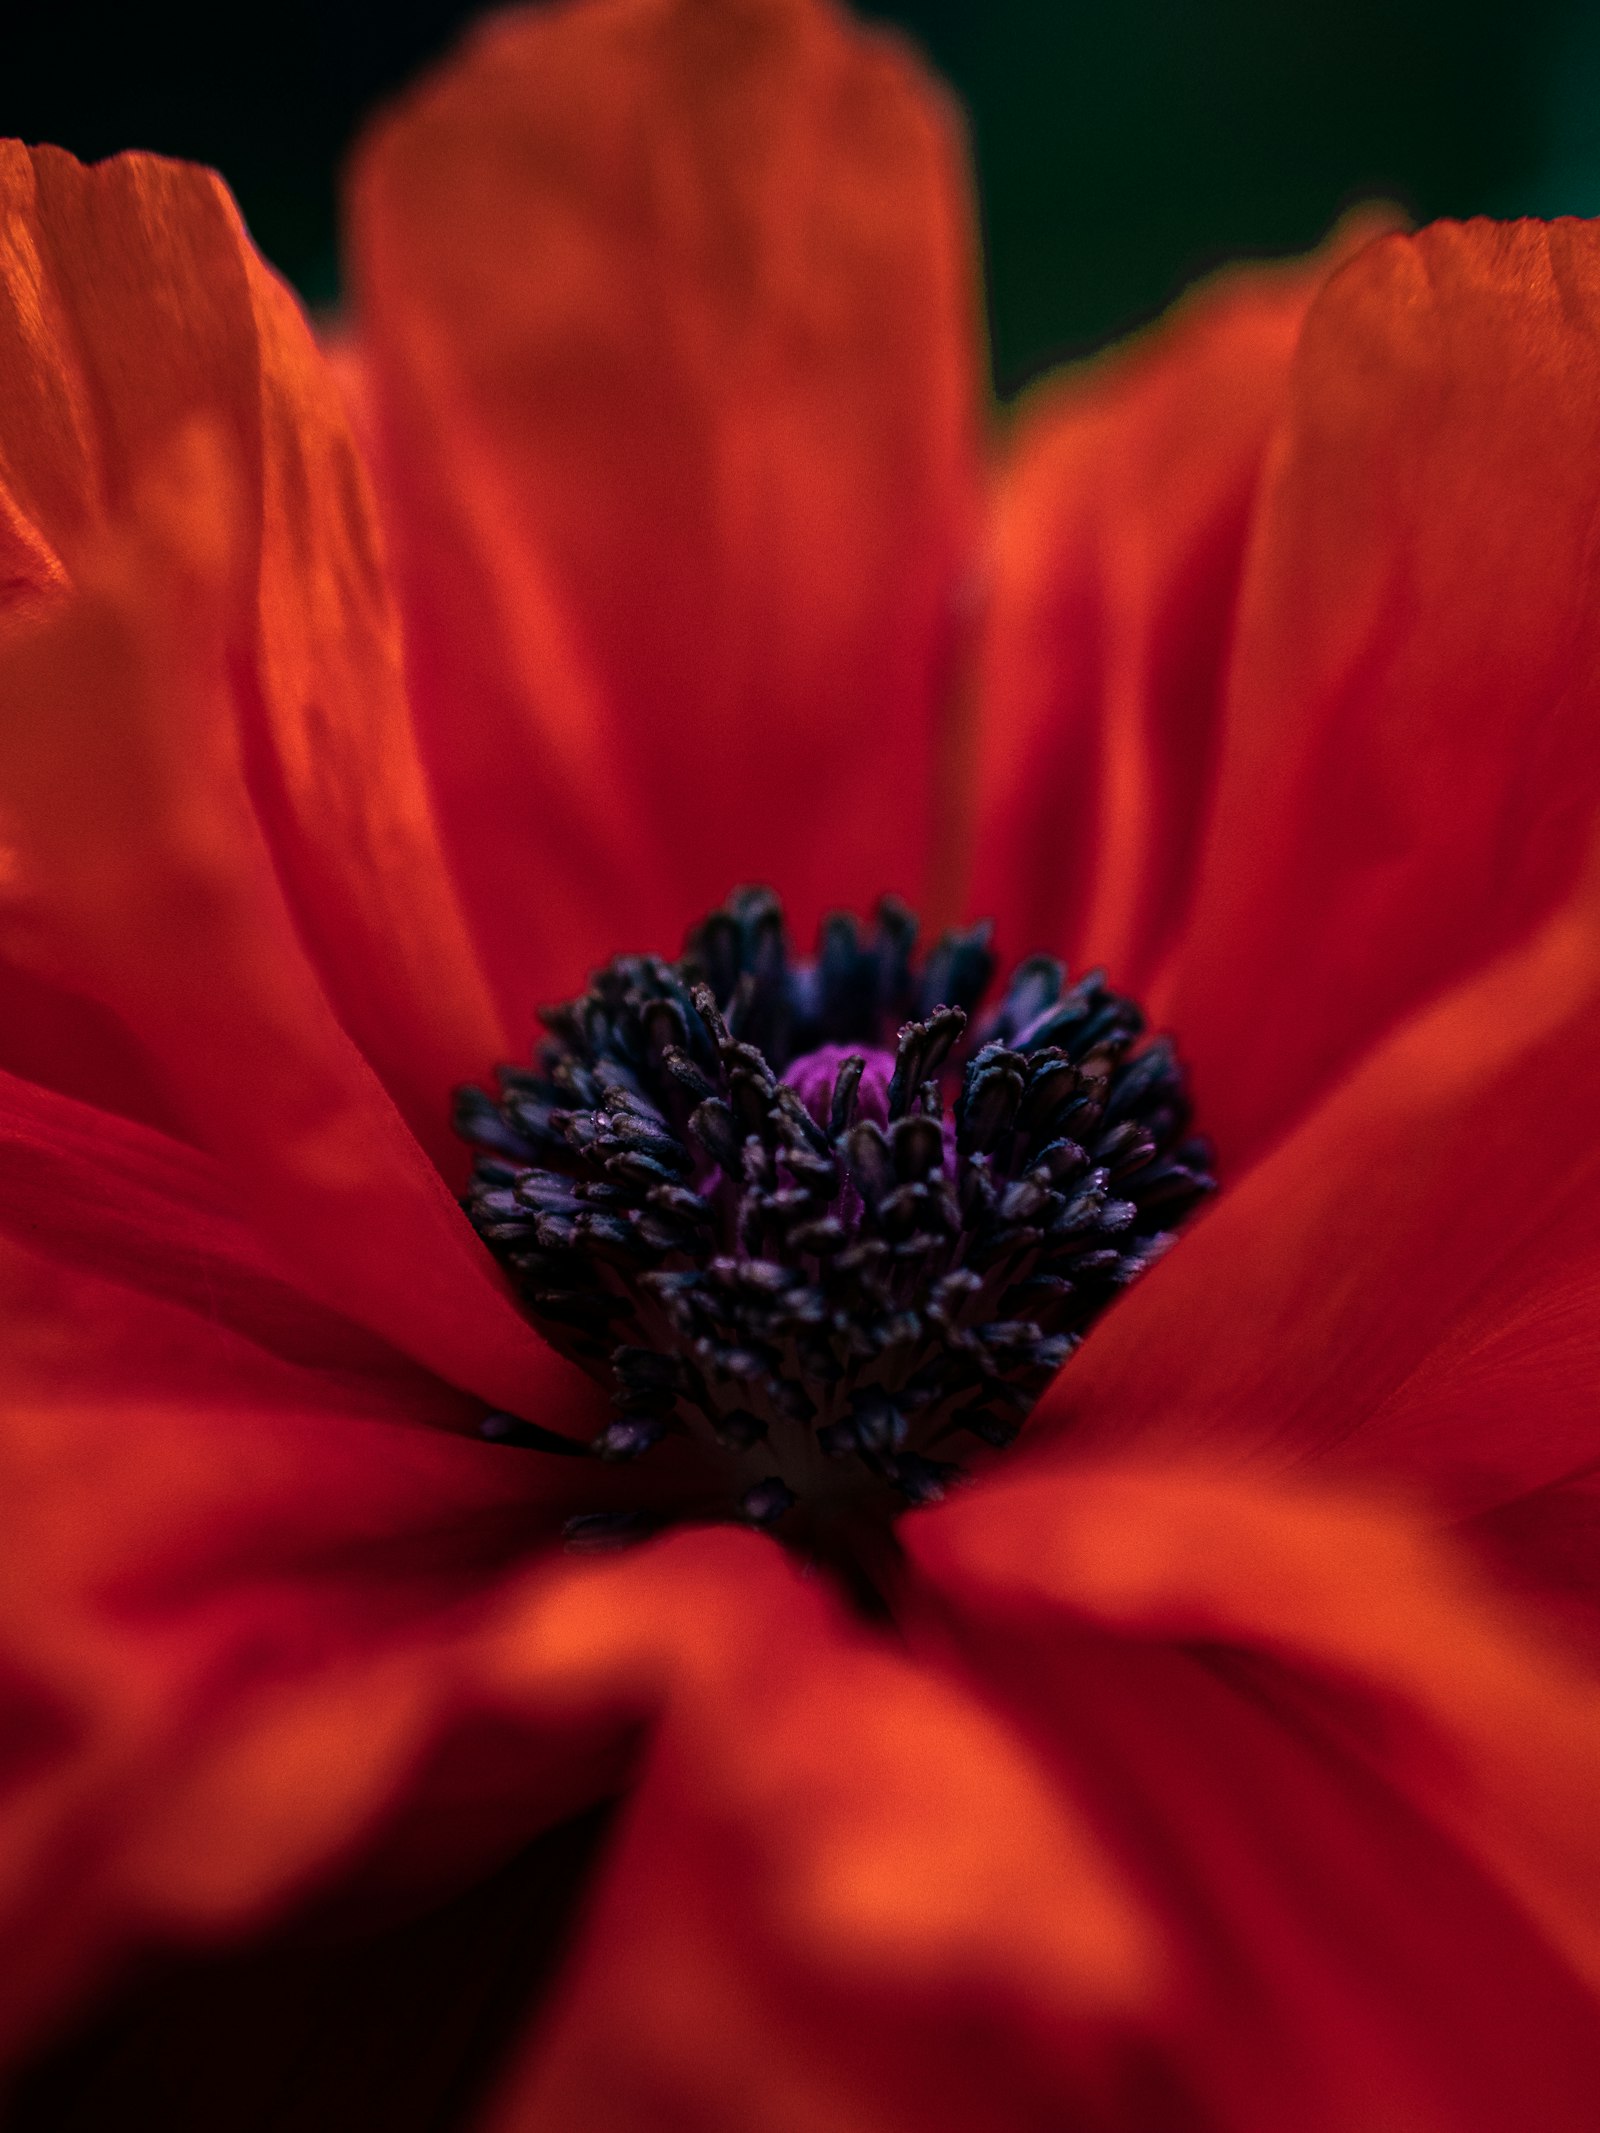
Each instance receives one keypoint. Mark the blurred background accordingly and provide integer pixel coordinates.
(1121, 149)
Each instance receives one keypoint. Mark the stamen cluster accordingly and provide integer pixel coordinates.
(809, 1227)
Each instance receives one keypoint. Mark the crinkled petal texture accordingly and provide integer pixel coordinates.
(1121, 517)
(223, 909)
(1410, 767)
(133, 305)
(1311, 676)
(246, 1323)
(667, 313)
(1387, 969)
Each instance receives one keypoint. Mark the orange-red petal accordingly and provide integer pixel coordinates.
(236, 1641)
(1357, 1792)
(842, 1894)
(136, 874)
(132, 303)
(668, 314)
(1409, 768)
(1121, 519)
(238, 1538)
(1401, 1287)
(110, 1225)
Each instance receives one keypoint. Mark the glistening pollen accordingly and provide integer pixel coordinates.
(737, 1190)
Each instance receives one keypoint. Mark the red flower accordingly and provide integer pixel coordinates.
(1199, 1782)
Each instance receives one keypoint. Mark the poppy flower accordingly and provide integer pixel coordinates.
(1221, 1755)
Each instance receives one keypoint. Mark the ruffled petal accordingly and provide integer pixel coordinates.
(238, 1539)
(133, 872)
(1408, 775)
(1357, 1792)
(668, 311)
(131, 302)
(842, 1893)
(237, 1640)
(1120, 529)
(269, 1631)
(239, 1686)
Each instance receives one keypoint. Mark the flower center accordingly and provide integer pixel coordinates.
(815, 1233)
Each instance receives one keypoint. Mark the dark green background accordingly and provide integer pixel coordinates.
(1122, 146)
